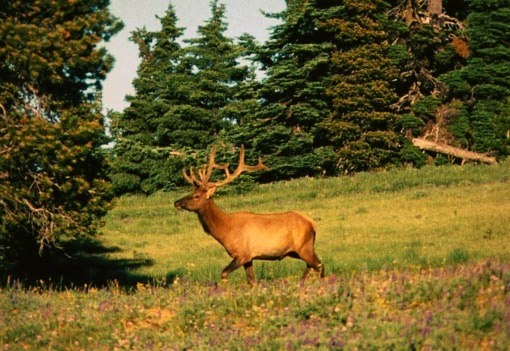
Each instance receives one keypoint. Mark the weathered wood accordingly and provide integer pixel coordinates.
(452, 151)
(435, 7)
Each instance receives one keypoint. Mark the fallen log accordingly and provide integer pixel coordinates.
(452, 151)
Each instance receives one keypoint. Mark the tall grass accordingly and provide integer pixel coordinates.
(415, 259)
(458, 308)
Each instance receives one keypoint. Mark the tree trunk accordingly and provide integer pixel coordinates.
(435, 7)
(452, 151)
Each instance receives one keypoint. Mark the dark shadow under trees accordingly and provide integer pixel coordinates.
(81, 264)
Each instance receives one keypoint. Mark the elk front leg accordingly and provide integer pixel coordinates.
(235, 264)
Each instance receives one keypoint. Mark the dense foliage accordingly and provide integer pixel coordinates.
(292, 97)
(343, 87)
(483, 84)
(361, 124)
(181, 102)
(139, 163)
(53, 179)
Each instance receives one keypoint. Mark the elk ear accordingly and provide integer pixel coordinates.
(210, 192)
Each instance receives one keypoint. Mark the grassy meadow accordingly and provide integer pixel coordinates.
(415, 260)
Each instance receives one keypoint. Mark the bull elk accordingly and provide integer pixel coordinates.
(248, 236)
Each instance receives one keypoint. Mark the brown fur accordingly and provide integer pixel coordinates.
(248, 236)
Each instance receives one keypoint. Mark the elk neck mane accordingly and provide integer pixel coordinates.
(210, 215)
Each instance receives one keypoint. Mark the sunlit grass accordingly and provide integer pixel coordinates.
(402, 218)
(415, 260)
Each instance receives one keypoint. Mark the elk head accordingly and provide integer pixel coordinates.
(204, 188)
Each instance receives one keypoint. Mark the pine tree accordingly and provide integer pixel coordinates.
(484, 83)
(140, 153)
(217, 77)
(431, 43)
(488, 72)
(185, 98)
(53, 181)
(292, 96)
(361, 126)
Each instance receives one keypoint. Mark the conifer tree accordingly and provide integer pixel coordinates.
(184, 100)
(361, 126)
(431, 42)
(216, 79)
(53, 181)
(326, 100)
(484, 84)
(292, 96)
(140, 157)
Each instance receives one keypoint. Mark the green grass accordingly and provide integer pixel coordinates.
(403, 218)
(415, 260)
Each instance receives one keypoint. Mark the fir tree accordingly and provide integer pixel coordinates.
(484, 84)
(217, 77)
(140, 156)
(361, 124)
(293, 98)
(185, 98)
(53, 181)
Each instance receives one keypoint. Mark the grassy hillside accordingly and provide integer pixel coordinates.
(415, 259)
(399, 219)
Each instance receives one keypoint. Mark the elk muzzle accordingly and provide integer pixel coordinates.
(180, 204)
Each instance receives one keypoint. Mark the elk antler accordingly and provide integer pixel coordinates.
(206, 171)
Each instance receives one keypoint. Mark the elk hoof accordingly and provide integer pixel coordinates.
(320, 269)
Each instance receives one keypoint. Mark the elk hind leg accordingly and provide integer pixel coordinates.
(312, 262)
(250, 274)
